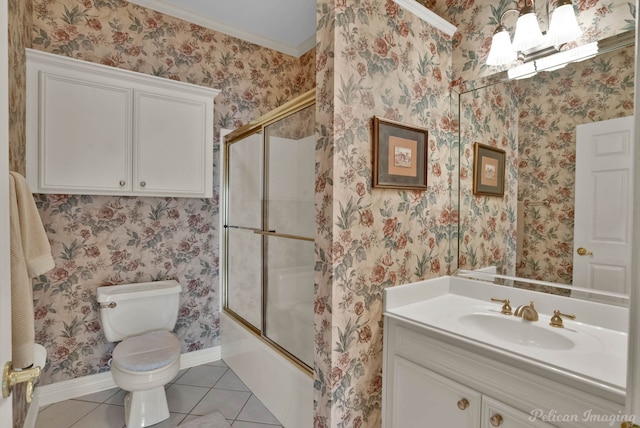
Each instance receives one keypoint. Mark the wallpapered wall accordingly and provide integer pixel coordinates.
(373, 59)
(108, 240)
(19, 39)
(551, 105)
(487, 224)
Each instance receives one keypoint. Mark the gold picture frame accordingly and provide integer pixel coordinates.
(488, 170)
(399, 155)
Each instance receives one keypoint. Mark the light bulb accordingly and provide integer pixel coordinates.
(563, 27)
(501, 51)
(528, 34)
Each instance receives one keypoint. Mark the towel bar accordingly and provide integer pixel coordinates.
(11, 378)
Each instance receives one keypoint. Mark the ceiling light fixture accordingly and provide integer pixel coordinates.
(528, 34)
(561, 59)
(501, 51)
(528, 37)
(553, 62)
(563, 27)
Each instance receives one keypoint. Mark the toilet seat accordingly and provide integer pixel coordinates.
(143, 365)
(146, 352)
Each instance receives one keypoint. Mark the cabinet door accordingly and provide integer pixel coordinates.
(497, 414)
(173, 144)
(421, 398)
(79, 134)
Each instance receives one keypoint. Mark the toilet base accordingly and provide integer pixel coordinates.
(144, 408)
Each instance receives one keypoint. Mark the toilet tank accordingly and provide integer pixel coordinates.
(130, 309)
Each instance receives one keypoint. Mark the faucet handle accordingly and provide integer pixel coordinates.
(556, 320)
(506, 308)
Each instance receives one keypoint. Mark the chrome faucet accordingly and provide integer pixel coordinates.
(526, 312)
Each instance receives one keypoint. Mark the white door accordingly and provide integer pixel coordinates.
(5, 290)
(604, 205)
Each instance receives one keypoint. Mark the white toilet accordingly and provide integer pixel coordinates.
(142, 317)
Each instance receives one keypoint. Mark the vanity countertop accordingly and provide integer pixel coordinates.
(590, 351)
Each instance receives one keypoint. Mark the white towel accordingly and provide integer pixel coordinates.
(30, 257)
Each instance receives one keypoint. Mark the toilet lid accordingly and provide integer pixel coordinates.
(147, 351)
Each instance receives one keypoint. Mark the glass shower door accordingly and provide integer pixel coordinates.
(269, 228)
(244, 246)
(289, 233)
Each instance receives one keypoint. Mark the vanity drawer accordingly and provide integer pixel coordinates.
(498, 414)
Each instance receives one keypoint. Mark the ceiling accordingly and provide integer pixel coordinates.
(287, 26)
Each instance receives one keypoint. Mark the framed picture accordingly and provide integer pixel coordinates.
(399, 155)
(488, 170)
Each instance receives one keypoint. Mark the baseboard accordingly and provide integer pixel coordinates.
(74, 388)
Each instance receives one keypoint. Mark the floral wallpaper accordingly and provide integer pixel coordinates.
(551, 105)
(100, 239)
(19, 39)
(373, 58)
(487, 224)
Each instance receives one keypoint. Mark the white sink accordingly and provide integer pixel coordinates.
(461, 311)
(515, 330)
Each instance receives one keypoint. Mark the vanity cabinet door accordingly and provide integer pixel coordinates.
(421, 398)
(497, 414)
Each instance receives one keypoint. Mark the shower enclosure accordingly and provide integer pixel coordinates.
(269, 227)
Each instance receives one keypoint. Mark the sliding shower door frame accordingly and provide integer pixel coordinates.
(259, 126)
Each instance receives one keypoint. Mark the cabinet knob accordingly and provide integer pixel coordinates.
(122, 183)
(463, 404)
(496, 420)
(143, 183)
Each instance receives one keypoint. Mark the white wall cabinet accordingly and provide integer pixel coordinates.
(93, 129)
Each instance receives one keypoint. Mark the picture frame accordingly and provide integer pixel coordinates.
(488, 170)
(399, 155)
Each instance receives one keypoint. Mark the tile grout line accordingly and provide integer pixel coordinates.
(100, 403)
(206, 393)
(86, 414)
(241, 409)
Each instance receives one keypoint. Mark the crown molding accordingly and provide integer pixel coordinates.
(428, 16)
(194, 18)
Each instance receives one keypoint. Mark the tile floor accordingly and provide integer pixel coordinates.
(196, 391)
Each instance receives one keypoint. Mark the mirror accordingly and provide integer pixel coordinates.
(528, 232)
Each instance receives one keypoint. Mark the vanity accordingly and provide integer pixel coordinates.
(454, 358)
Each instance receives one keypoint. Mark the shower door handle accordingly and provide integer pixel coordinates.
(253, 229)
(282, 235)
